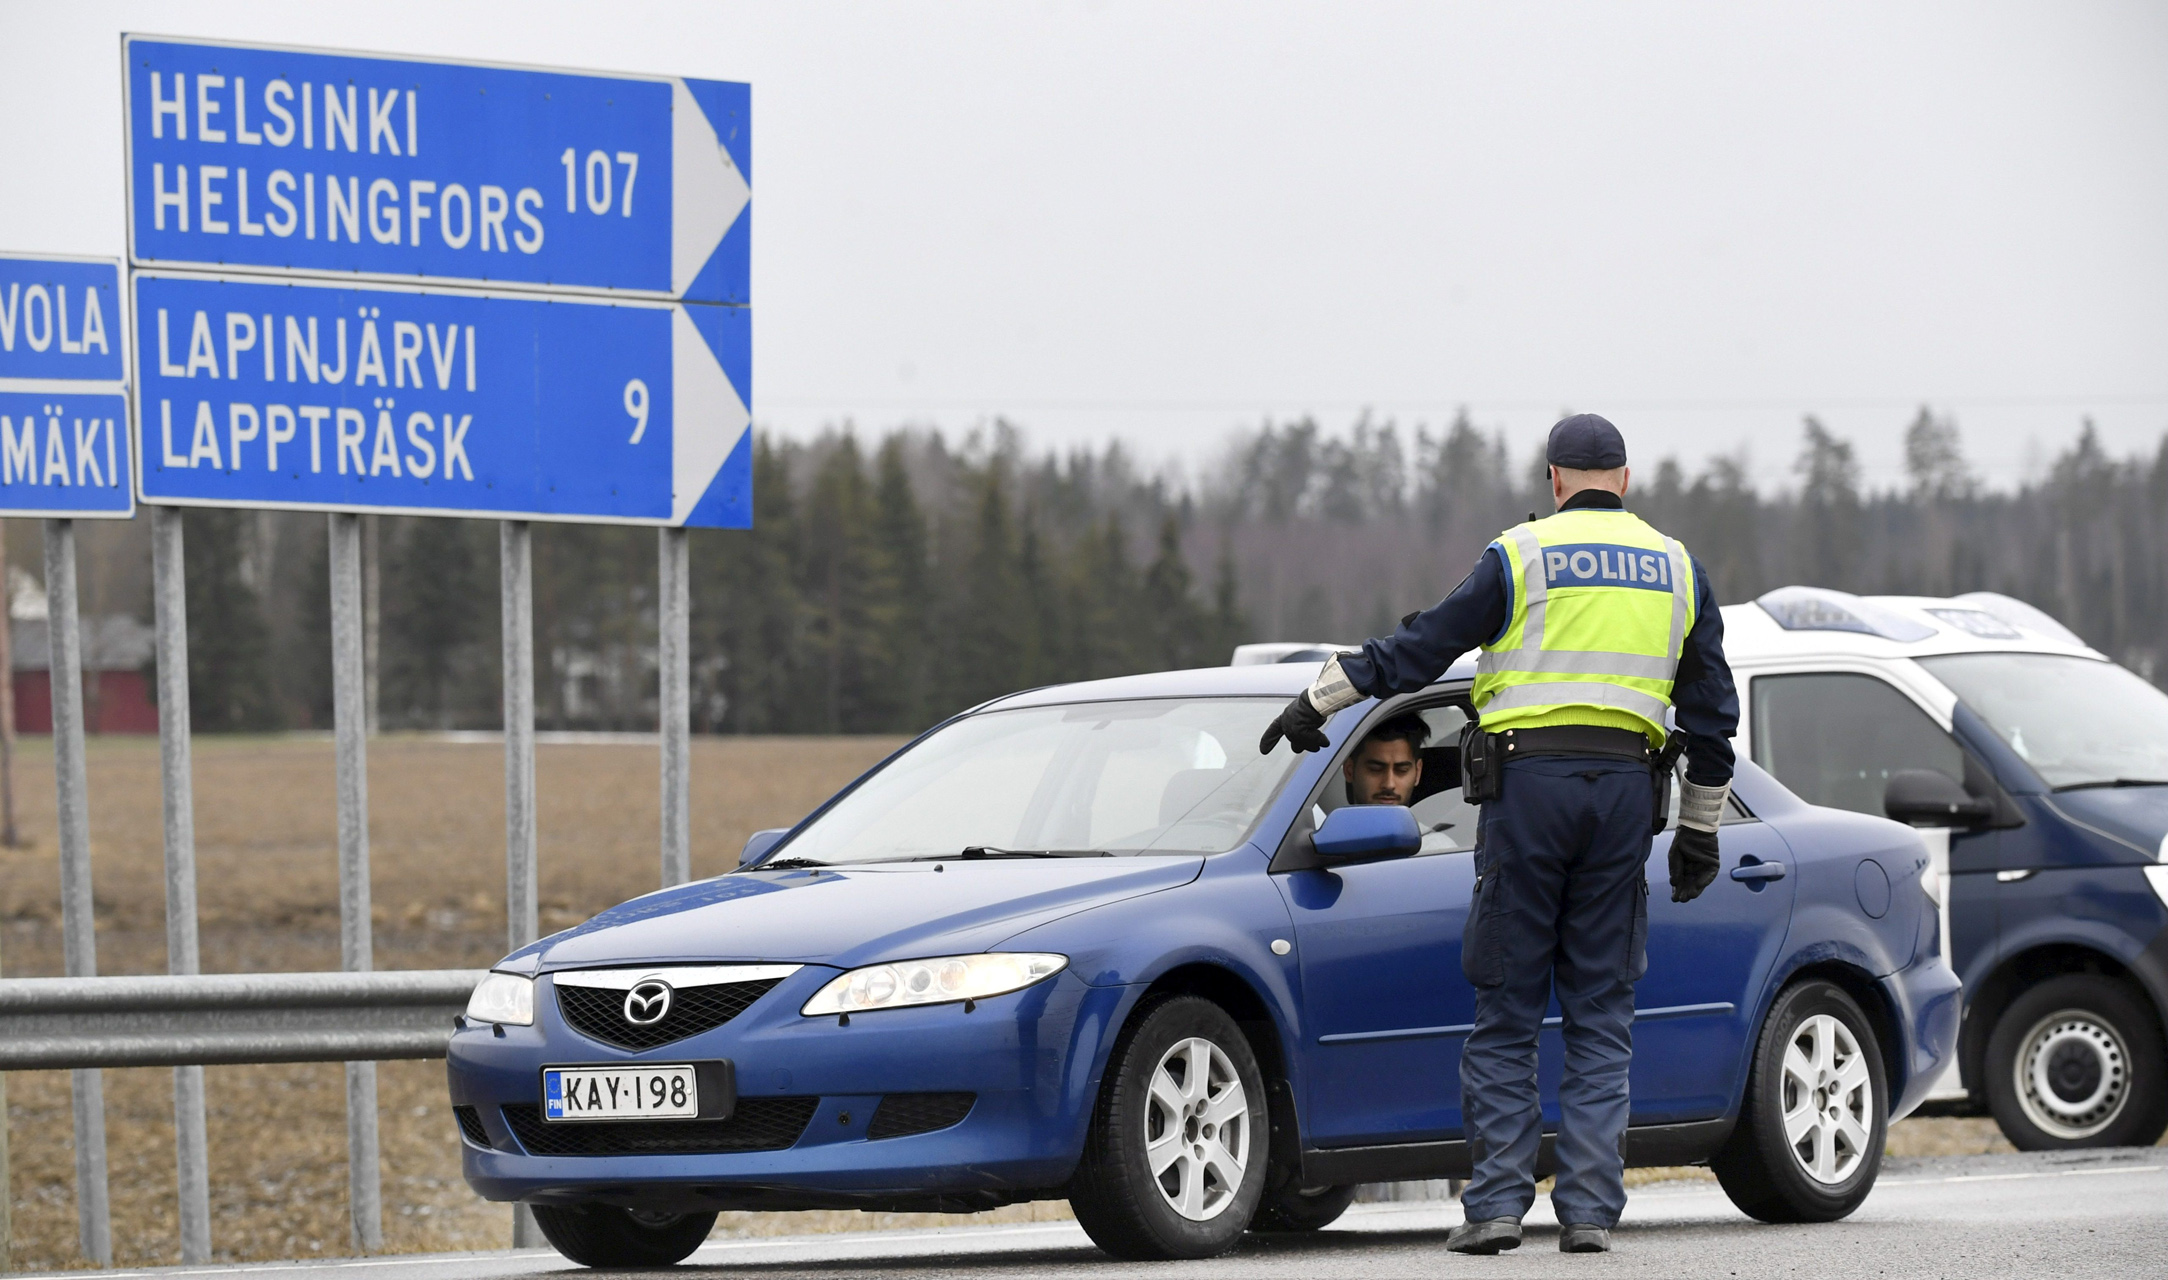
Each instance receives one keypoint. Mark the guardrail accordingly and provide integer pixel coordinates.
(198, 1020)
(219, 1019)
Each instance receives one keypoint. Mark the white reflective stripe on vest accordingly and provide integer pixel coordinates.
(1535, 581)
(1578, 693)
(1682, 592)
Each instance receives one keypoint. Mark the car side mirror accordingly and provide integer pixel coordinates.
(758, 844)
(1932, 798)
(1366, 832)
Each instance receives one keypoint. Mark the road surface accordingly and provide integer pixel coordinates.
(2057, 1216)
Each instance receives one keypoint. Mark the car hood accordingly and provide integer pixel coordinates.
(857, 915)
(2137, 816)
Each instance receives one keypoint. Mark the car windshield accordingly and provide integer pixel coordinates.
(1162, 775)
(2077, 721)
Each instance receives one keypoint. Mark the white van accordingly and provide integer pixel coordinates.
(2037, 772)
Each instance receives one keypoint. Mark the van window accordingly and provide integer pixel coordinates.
(2079, 722)
(1836, 738)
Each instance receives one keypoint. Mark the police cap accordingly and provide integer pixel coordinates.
(1586, 442)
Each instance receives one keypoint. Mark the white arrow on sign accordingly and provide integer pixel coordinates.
(707, 191)
(707, 418)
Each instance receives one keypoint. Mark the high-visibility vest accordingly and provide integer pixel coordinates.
(1601, 607)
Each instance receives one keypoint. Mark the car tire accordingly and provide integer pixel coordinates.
(1180, 1081)
(1295, 1207)
(602, 1235)
(1809, 1139)
(2077, 1061)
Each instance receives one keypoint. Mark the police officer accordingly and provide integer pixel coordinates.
(1592, 627)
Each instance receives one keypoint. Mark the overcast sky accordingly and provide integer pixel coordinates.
(1161, 222)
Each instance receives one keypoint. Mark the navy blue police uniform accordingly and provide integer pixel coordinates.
(1571, 835)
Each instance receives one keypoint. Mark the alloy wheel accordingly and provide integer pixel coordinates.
(1828, 1099)
(2073, 1074)
(1197, 1129)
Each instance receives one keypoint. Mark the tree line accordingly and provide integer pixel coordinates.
(1353, 530)
(889, 582)
(881, 589)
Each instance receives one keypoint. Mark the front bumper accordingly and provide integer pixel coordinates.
(1030, 1057)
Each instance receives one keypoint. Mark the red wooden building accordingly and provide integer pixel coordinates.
(117, 653)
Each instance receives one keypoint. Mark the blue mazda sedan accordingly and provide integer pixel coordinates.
(1085, 943)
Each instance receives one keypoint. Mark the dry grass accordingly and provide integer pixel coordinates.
(267, 865)
(267, 875)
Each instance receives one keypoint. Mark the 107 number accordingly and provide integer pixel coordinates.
(598, 175)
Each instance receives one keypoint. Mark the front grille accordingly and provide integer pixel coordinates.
(902, 1114)
(470, 1124)
(599, 1012)
(759, 1124)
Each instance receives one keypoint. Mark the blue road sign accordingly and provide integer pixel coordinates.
(60, 319)
(63, 397)
(323, 395)
(256, 158)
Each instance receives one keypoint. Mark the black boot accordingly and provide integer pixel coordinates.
(1490, 1236)
(1584, 1237)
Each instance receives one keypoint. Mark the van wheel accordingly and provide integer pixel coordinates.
(1295, 1207)
(603, 1235)
(1810, 1134)
(2077, 1062)
(1174, 1164)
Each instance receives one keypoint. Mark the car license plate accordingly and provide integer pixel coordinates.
(620, 1093)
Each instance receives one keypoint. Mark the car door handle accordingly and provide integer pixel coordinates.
(1758, 871)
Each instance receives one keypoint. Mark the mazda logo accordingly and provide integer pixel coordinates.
(647, 1003)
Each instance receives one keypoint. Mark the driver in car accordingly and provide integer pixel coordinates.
(1388, 766)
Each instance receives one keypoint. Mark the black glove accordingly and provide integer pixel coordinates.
(1693, 862)
(1300, 724)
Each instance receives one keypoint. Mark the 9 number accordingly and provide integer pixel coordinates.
(636, 406)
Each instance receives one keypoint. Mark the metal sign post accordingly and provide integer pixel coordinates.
(674, 715)
(79, 939)
(65, 453)
(516, 568)
(515, 558)
(356, 952)
(183, 955)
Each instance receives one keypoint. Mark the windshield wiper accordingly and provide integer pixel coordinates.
(977, 851)
(789, 864)
(2115, 782)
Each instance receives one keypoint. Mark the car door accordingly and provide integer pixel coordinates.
(1694, 1009)
(1834, 738)
(1384, 1000)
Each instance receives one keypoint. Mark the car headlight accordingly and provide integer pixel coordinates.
(503, 997)
(940, 980)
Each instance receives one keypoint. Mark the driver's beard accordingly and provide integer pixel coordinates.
(1353, 791)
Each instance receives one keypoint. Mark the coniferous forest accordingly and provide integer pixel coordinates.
(893, 580)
